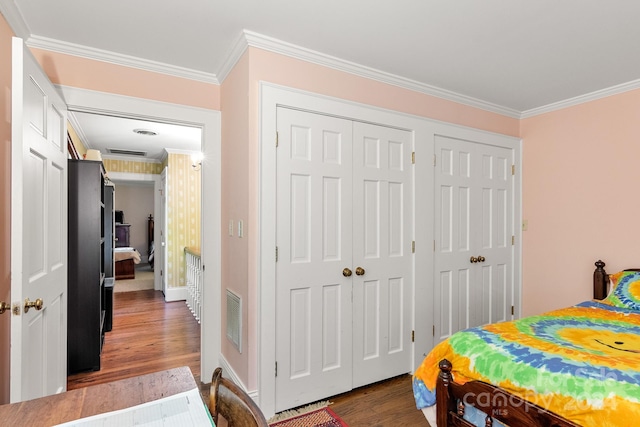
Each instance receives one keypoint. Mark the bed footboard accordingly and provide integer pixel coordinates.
(451, 399)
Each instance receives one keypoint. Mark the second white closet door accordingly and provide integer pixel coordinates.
(382, 236)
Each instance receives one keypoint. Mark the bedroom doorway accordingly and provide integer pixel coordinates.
(209, 124)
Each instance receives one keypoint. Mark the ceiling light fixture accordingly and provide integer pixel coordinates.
(145, 132)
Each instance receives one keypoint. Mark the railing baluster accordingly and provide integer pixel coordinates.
(193, 281)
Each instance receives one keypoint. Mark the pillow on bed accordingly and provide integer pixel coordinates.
(625, 290)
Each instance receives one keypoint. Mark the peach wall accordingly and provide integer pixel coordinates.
(5, 203)
(236, 176)
(101, 76)
(580, 176)
(294, 73)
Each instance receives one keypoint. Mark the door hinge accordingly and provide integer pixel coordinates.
(434, 246)
(277, 141)
(413, 157)
(434, 160)
(413, 247)
(513, 169)
(513, 240)
(413, 336)
(276, 369)
(203, 268)
(513, 310)
(434, 330)
(276, 254)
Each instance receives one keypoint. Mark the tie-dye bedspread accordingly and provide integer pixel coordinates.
(581, 362)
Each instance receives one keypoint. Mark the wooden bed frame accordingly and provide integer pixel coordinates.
(125, 269)
(493, 401)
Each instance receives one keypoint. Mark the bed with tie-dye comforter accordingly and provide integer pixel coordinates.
(581, 362)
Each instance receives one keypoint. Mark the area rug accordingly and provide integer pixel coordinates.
(144, 280)
(311, 417)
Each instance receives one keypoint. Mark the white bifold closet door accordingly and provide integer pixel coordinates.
(474, 252)
(344, 266)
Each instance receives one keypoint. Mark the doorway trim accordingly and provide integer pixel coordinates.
(424, 131)
(122, 177)
(209, 121)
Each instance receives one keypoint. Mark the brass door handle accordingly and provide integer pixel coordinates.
(4, 307)
(359, 271)
(473, 259)
(346, 272)
(481, 258)
(37, 304)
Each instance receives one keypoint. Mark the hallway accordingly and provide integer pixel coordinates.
(148, 335)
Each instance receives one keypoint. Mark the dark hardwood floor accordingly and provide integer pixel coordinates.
(150, 335)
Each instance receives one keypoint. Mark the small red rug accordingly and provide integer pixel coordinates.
(323, 417)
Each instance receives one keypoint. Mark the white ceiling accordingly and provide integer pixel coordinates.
(511, 56)
(105, 133)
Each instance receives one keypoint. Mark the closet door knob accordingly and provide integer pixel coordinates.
(346, 272)
(359, 271)
(4, 306)
(37, 304)
(481, 258)
(473, 260)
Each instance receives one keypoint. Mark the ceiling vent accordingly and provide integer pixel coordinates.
(145, 132)
(127, 152)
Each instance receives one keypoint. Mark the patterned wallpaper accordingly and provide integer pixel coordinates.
(183, 213)
(183, 207)
(113, 165)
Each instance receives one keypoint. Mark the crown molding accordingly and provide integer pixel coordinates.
(598, 94)
(13, 16)
(235, 53)
(247, 38)
(119, 59)
(308, 55)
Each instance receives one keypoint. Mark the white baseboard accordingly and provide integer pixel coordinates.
(176, 294)
(228, 372)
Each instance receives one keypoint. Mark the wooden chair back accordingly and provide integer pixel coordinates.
(233, 404)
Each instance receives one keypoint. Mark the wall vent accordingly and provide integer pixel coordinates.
(127, 152)
(234, 320)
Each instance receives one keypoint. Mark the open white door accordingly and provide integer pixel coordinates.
(38, 232)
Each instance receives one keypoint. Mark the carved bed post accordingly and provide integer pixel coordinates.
(600, 281)
(443, 401)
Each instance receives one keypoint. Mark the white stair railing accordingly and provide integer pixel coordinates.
(194, 281)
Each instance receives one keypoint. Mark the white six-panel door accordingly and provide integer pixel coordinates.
(382, 239)
(473, 265)
(344, 266)
(314, 211)
(38, 232)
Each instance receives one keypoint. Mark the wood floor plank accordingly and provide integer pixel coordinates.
(149, 335)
